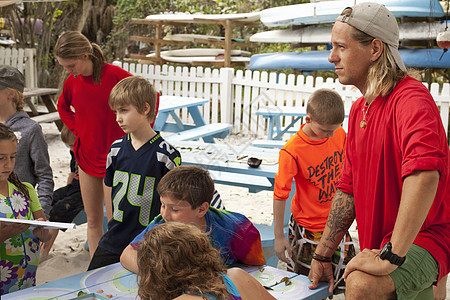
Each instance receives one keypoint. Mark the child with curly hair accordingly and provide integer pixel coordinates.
(177, 261)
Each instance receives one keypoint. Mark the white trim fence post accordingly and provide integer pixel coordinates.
(226, 95)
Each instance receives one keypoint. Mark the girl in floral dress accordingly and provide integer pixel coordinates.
(19, 250)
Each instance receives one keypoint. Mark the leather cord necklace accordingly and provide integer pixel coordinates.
(365, 111)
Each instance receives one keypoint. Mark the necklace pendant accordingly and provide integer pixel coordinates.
(363, 124)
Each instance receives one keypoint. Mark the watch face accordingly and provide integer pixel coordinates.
(385, 250)
(386, 253)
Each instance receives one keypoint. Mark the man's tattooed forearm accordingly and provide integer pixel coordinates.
(328, 247)
(342, 214)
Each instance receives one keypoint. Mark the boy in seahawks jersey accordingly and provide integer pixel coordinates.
(135, 164)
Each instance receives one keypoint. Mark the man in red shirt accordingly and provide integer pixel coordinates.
(395, 177)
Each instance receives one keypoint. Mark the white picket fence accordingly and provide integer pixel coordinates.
(24, 61)
(235, 96)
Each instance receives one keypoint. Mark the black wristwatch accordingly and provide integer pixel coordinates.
(386, 253)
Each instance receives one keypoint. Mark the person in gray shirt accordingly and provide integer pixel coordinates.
(32, 159)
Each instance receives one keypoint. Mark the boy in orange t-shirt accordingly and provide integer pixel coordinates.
(314, 157)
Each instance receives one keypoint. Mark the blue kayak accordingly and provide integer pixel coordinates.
(328, 11)
(318, 60)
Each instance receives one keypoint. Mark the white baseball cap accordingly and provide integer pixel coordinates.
(377, 21)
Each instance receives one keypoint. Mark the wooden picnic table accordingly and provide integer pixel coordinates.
(46, 94)
(161, 21)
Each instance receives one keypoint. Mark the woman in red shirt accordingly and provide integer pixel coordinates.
(83, 107)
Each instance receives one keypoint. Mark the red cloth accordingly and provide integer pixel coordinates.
(404, 134)
(94, 123)
(315, 165)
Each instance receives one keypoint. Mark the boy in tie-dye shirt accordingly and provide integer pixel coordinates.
(185, 194)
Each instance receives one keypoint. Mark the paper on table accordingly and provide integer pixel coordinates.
(46, 225)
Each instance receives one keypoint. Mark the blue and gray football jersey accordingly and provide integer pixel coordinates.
(133, 176)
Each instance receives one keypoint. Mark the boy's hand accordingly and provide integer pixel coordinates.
(8, 230)
(281, 246)
(42, 234)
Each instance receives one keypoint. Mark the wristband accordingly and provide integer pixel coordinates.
(321, 258)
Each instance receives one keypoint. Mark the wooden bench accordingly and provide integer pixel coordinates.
(207, 132)
(269, 143)
(47, 118)
(46, 95)
(252, 182)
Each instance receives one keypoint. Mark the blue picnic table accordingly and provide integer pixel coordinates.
(274, 114)
(275, 130)
(171, 105)
(226, 158)
(116, 282)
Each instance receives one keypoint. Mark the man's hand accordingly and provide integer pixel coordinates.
(282, 245)
(321, 271)
(369, 261)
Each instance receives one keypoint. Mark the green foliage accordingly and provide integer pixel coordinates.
(274, 48)
(127, 9)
